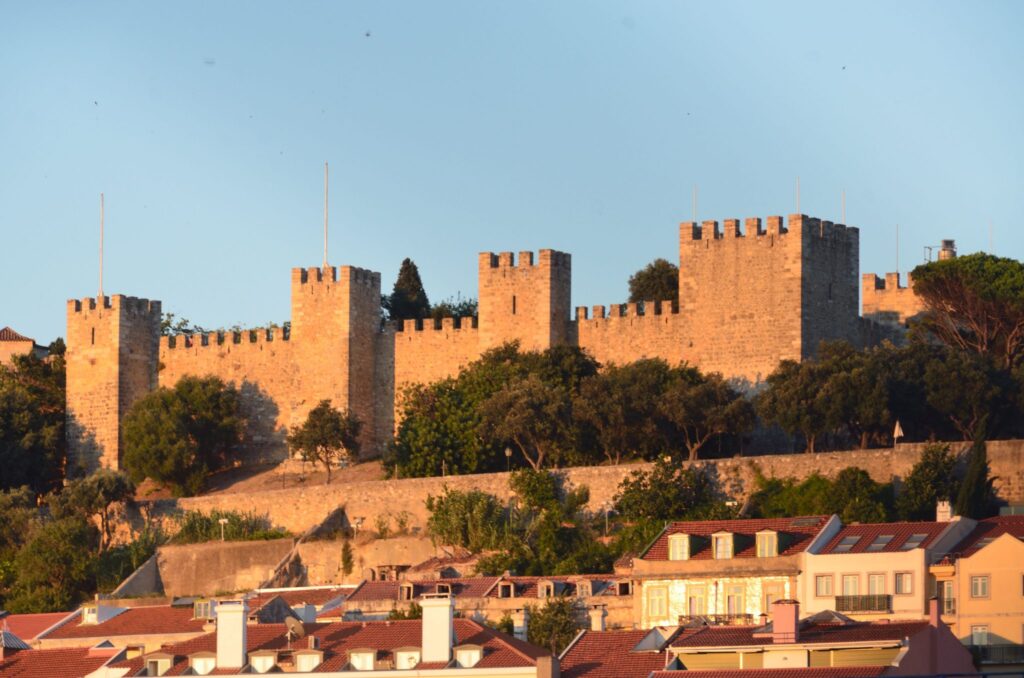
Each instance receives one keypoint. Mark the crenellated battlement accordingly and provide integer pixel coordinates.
(131, 305)
(754, 228)
(450, 323)
(891, 281)
(628, 310)
(261, 335)
(316, 275)
(545, 258)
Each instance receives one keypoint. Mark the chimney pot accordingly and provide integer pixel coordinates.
(597, 616)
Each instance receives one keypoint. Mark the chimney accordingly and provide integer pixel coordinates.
(934, 615)
(232, 647)
(520, 623)
(943, 512)
(548, 667)
(438, 627)
(785, 621)
(597, 615)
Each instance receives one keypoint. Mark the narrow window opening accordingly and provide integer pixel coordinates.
(513, 304)
(93, 340)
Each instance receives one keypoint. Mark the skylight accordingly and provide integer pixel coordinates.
(846, 543)
(804, 522)
(982, 543)
(913, 542)
(880, 542)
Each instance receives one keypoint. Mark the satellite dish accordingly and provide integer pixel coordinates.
(295, 627)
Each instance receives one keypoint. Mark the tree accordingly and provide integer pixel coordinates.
(657, 281)
(415, 611)
(408, 300)
(932, 480)
(975, 498)
(975, 303)
(553, 626)
(17, 513)
(852, 495)
(534, 416)
(56, 567)
(855, 497)
(93, 496)
(347, 560)
(178, 436)
(472, 519)
(327, 436)
(32, 417)
(456, 307)
(173, 326)
(703, 406)
(670, 492)
(793, 400)
(969, 391)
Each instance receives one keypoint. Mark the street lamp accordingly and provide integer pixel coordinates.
(223, 522)
(508, 459)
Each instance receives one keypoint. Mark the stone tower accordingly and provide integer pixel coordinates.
(525, 300)
(112, 347)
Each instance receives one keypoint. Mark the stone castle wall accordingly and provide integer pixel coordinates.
(887, 301)
(748, 298)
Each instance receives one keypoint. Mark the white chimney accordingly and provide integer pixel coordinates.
(232, 616)
(943, 512)
(438, 627)
(597, 615)
(520, 623)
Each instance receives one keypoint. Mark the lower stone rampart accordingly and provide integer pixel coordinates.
(298, 509)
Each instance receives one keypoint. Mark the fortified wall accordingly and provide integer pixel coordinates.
(750, 294)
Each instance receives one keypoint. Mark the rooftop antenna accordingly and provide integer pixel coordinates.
(101, 248)
(294, 629)
(325, 215)
(798, 195)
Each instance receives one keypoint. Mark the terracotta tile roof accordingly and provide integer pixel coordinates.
(799, 532)
(28, 626)
(988, 529)
(71, 662)
(134, 621)
(609, 654)
(806, 672)
(469, 587)
(7, 334)
(337, 639)
(526, 587)
(728, 636)
(900, 533)
(317, 596)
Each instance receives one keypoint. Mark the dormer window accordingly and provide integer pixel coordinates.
(203, 609)
(263, 661)
(407, 657)
(158, 665)
(506, 589)
(202, 663)
(624, 588)
(468, 656)
(584, 588)
(90, 614)
(545, 589)
(445, 589)
(405, 592)
(308, 660)
(767, 544)
(679, 547)
(362, 660)
(722, 544)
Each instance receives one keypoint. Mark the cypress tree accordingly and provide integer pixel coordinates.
(408, 300)
(975, 497)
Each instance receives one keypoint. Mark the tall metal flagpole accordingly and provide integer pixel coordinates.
(101, 248)
(798, 195)
(325, 215)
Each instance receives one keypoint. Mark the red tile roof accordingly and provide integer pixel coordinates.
(7, 334)
(526, 587)
(799, 533)
(728, 636)
(28, 626)
(312, 596)
(469, 587)
(134, 621)
(900, 533)
(609, 654)
(71, 662)
(806, 672)
(337, 639)
(989, 528)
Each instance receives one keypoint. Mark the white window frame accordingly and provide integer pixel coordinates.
(657, 596)
(979, 582)
(723, 546)
(876, 579)
(679, 547)
(855, 578)
(980, 632)
(819, 579)
(767, 544)
(903, 583)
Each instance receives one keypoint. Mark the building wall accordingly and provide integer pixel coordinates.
(1002, 610)
(861, 565)
(13, 348)
(714, 589)
(623, 333)
(886, 301)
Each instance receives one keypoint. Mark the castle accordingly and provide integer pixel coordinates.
(749, 296)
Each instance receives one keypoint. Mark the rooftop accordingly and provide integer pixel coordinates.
(77, 661)
(803, 672)
(988, 530)
(7, 334)
(133, 621)
(884, 537)
(609, 654)
(28, 626)
(799, 531)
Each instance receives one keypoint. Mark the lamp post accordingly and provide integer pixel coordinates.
(223, 522)
(508, 459)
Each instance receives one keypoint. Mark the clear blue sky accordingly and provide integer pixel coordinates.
(459, 127)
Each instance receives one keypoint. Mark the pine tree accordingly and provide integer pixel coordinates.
(408, 300)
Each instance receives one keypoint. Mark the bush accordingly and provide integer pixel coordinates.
(474, 520)
(195, 527)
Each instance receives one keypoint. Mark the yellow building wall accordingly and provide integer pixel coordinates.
(715, 596)
(1002, 610)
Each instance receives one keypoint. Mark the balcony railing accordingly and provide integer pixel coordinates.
(876, 603)
(715, 619)
(998, 654)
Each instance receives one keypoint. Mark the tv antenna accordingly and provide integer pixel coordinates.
(101, 248)
(325, 214)
(295, 629)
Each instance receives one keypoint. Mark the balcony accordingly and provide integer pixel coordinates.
(715, 619)
(876, 603)
(998, 654)
(948, 606)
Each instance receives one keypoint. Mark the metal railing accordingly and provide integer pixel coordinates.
(870, 603)
(998, 654)
(715, 619)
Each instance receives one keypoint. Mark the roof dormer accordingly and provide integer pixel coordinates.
(546, 589)
(202, 663)
(407, 657)
(307, 660)
(723, 545)
(362, 659)
(767, 544)
(468, 656)
(263, 661)
(679, 547)
(158, 663)
(406, 591)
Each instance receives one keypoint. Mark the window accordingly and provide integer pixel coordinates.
(876, 584)
(624, 588)
(405, 592)
(157, 667)
(93, 341)
(913, 541)
(771, 594)
(948, 601)
(443, 588)
(979, 587)
(734, 600)
(723, 547)
(846, 543)
(979, 635)
(880, 542)
(262, 663)
(513, 304)
(202, 609)
(904, 582)
(307, 661)
(823, 585)
(657, 602)
(696, 597)
(584, 589)
(767, 545)
(679, 547)
(361, 660)
(545, 589)
(468, 657)
(851, 585)
(506, 590)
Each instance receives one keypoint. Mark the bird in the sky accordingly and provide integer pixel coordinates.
(367, 33)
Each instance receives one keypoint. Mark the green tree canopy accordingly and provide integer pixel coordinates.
(408, 299)
(933, 479)
(975, 303)
(32, 416)
(975, 498)
(178, 436)
(657, 281)
(704, 406)
(454, 307)
(328, 436)
(554, 625)
(852, 495)
(56, 567)
(534, 416)
(472, 519)
(94, 495)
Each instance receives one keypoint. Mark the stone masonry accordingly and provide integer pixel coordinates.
(750, 295)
